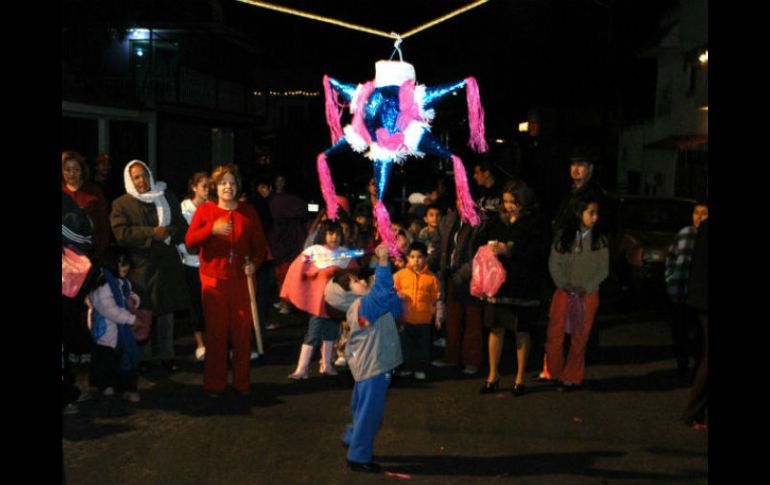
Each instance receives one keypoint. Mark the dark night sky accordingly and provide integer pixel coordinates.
(564, 55)
(523, 52)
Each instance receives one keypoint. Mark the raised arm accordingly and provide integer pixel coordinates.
(383, 297)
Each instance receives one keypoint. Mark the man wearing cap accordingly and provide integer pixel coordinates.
(581, 170)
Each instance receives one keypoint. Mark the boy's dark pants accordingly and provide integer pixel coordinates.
(415, 347)
(106, 372)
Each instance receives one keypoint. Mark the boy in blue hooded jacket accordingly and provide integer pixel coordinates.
(372, 352)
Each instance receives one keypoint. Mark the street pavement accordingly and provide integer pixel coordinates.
(622, 427)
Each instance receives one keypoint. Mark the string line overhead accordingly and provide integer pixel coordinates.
(361, 28)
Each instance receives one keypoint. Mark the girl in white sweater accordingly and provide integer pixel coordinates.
(114, 360)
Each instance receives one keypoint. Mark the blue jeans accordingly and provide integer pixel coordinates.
(368, 406)
(319, 329)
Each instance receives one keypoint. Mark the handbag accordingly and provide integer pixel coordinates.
(74, 269)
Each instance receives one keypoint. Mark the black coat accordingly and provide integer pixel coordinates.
(157, 273)
(443, 245)
(698, 284)
(527, 263)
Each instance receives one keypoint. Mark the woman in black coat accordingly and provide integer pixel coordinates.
(518, 237)
(148, 221)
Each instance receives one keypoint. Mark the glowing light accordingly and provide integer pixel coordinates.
(704, 57)
(704, 108)
(499, 141)
(139, 34)
(523, 127)
(139, 52)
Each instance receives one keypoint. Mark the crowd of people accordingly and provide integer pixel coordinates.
(154, 257)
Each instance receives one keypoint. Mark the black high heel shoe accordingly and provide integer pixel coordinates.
(490, 387)
(518, 389)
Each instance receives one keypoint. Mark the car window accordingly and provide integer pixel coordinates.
(657, 215)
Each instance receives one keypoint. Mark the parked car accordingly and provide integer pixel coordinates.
(640, 230)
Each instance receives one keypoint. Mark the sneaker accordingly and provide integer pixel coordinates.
(70, 409)
(84, 396)
(403, 373)
(278, 304)
(284, 310)
(74, 359)
(441, 363)
(471, 370)
(272, 326)
(440, 342)
(200, 354)
(85, 358)
(341, 362)
(131, 396)
(253, 356)
(420, 376)
(108, 392)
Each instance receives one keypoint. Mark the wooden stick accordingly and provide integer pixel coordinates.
(254, 313)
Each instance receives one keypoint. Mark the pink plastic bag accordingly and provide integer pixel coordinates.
(488, 273)
(74, 269)
(143, 333)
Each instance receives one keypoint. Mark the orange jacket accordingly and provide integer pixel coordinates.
(420, 291)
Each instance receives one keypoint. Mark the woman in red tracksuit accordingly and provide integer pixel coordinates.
(227, 232)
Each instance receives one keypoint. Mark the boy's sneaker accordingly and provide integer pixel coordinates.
(131, 396)
(108, 392)
(440, 363)
(70, 409)
(420, 376)
(85, 358)
(440, 342)
(471, 370)
(74, 359)
(403, 373)
(341, 362)
(84, 396)
(272, 326)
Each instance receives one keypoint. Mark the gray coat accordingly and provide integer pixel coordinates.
(374, 347)
(157, 273)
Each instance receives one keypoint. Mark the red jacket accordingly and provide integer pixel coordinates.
(223, 257)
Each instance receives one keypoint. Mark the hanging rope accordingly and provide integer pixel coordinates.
(361, 28)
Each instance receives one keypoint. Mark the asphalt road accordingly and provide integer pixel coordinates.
(621, 428)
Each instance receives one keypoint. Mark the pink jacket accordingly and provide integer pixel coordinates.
(305, 283)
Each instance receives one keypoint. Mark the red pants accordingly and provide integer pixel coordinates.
(227, 307)
(463, 329)
(554, 348)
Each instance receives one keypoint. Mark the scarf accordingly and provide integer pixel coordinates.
(156, 194)
(576, 309)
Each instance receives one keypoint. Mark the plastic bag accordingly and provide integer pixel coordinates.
(142, 333)
(488, 274)
(74, 269)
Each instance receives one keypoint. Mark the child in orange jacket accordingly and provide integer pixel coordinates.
(418, 289)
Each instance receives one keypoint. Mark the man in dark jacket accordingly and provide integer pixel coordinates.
(451, 257)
